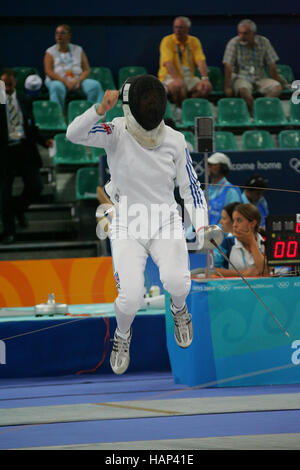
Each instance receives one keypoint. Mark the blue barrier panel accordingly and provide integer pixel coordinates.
(246, 346)
(41, 347)
(280, 168)
(195, 364)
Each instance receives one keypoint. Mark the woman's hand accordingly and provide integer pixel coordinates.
(247, 238)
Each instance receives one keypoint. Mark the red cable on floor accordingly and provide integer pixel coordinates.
(105, 350)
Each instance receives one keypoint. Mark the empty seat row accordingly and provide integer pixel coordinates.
(67, 153)
(251, 140)
(233, 112)
(48, 114)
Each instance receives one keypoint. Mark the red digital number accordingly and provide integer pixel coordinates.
(292, 249)
(298, 227)
(291, 252)
(279, 249)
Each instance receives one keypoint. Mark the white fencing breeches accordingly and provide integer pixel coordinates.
(129, 260)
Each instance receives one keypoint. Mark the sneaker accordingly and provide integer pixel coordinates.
(183, 326)
(119, 358)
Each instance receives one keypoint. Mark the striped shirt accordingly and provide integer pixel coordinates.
(247, 61)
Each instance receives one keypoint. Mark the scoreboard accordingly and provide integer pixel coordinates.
(283, 239)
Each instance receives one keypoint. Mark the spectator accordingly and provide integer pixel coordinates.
(22, 158)
(247, 253)
(228, 242)
(245, 58)
(221, 192)
(180, 54)
(67, 69)
(254, 194)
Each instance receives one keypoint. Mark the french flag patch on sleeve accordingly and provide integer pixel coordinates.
(106, 128)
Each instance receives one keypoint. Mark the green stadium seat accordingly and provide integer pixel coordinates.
(22, 73)
(285, 70)
(225, 140)
(116, 111)
(48, 116)
(129, 71)
(87, 180)
(294, 113)
(268, 111)
(216, 78)
(96, 153)
(194, 107)
(77, 107)
(104, 76)
(189, 137)
(289, 139)
(67, 153)
(233, 112)
(169, 111)
(257, 140)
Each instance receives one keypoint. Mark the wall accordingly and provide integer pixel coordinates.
(118, 41)
(132, 8)
(72, 281)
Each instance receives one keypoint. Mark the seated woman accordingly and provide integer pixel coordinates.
(228, 242)
(247, 253)
(67, 69)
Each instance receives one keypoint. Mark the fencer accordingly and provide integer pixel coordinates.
(145, 159)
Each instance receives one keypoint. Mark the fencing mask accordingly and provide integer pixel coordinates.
(144, 102)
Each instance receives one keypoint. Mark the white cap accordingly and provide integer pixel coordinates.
(33, 83)
(219, 157)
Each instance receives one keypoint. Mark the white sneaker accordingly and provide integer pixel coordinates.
(119, 358)
(183, 326)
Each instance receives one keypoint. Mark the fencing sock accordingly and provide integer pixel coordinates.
(178, 303)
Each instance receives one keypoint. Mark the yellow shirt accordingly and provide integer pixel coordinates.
(187, 54)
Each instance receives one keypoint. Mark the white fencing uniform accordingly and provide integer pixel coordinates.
(146, 220)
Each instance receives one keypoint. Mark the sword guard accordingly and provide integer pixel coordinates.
(211, 235)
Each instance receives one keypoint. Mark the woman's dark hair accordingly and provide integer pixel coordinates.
(229, 208)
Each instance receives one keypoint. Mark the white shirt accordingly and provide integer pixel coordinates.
(64, 62)
(145, 176)
(240, 257)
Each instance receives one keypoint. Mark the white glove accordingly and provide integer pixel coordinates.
(208, 233)
(104, 215)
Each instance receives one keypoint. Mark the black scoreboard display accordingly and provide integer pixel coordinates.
(283, 239)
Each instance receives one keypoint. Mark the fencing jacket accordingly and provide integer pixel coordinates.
(143, 176)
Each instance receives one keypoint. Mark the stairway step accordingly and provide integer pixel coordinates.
(51, 250)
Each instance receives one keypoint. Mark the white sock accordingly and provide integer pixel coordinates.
(178, 302)
(177, 309)
(123, 335)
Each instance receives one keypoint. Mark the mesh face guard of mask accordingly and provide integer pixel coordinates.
(146, 97)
